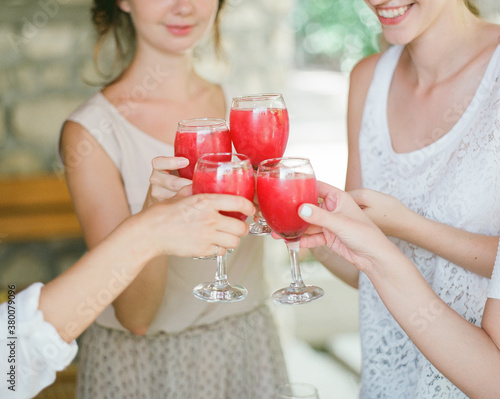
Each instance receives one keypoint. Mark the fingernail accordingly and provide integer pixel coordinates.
(306, 211)
(183, 162)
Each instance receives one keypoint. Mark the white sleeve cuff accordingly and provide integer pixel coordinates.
(39, 350)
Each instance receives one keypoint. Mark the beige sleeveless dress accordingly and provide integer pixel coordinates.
(193, 349)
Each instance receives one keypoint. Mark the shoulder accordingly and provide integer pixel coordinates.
(87, 120)
(90, 130)
(88, 106)
(360, 79)
(483, 45)
(363, 72)
(365, 68)
(94, 116)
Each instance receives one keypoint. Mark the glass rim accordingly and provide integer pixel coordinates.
(259, 96)
(243, 158)
(202, 122)
(303, 161)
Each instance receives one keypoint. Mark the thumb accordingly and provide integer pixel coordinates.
(315, 215)
(335, 222)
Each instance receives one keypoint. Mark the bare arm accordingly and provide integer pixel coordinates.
(360, 80)
(467, 355)
(474, 252)
(190, 226)
(463, 352)
(100, 201)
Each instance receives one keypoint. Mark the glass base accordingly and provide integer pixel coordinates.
(211, 292)
(205, 257)
(259, 229)
(297, 296)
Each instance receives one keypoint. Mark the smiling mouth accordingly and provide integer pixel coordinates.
(180, 29)
(393, 12)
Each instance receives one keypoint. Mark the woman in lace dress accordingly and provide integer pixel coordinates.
(465, 353)
(423, 129)
(158, 340)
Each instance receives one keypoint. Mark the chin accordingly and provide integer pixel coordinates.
(397, 39)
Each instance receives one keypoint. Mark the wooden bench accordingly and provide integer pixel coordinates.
(39, 208)
(36, 208)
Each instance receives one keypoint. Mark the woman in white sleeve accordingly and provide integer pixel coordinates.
(39, 325)
(467, 355)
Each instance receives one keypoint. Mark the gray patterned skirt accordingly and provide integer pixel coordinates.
(237, 357)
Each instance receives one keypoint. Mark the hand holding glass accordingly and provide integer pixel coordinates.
(223, 173)
(283, 184)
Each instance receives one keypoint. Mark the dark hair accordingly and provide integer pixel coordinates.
(471, 5)
(109, 19)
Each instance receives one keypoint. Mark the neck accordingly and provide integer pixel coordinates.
(445, 47)
(160, 76)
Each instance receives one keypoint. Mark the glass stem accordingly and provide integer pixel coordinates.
(293, 251)
(221, 273)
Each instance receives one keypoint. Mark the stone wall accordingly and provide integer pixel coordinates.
(44, 49)
(46, 57)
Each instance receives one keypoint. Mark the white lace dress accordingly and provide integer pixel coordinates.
(455, 180)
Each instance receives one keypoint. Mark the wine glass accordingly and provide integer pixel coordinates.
(259, 128)
(223, 173)
(198, 136)
(283, 184)
(297, 390)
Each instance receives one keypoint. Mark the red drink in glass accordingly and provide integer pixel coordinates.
(195, 137)
(223, 173)
(279, 201)
(222, 180)
(259, 128)
(283, 184)
(260, 133)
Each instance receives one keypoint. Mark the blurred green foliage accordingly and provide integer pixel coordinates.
(334, 34)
